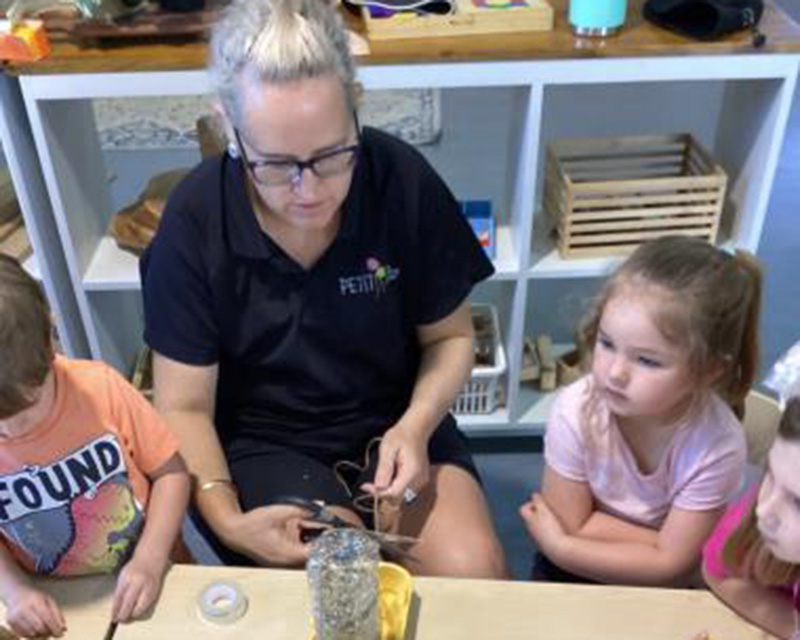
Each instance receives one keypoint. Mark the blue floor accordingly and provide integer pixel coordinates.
(509, 477)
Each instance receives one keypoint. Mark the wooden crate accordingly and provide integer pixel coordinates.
(608, 196)
(470, 17)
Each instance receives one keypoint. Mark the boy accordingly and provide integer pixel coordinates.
(91, 480)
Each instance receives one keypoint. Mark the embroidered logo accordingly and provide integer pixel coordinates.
(376, 280)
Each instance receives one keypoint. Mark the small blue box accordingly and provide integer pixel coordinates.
(480, 216)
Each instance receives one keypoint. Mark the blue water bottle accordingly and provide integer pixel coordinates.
(597, 18)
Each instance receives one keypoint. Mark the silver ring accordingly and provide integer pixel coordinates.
(409, 495)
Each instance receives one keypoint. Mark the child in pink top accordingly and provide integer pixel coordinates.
(91, 480)
(752, 560)
(643, 454)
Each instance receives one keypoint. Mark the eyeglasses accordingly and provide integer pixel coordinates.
(276, 173)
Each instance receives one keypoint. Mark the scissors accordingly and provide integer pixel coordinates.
(392, 545)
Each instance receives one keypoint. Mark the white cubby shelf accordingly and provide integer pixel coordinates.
(498, 118)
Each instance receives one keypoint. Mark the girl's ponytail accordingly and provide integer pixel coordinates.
(745, 360)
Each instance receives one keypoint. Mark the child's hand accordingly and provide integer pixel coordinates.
(138, 587)
(32, 613)
(543, 525)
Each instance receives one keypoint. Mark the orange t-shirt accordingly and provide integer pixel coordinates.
(73, 491)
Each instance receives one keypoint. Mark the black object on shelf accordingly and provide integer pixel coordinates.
(707, 19)
(182, 5)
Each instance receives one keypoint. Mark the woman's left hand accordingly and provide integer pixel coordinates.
(402, 464)
(543, 525)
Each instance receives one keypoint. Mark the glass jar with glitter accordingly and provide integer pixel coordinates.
(343, 579)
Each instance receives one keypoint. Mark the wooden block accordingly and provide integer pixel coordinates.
(9, 226)
(135, 226)
(548, 380)
(157, 191)
(17, 245)
(129, 232)
(9, 207)
(547, 363)
(568, 367)
(142, 377)
(544, 346)
(530, 362)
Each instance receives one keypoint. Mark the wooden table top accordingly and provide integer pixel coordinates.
(638, 38)
(86, 603)
(443, 609)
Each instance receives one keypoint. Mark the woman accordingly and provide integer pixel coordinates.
(305, 295)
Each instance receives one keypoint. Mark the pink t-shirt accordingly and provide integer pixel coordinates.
(713, 562)
(701, 470)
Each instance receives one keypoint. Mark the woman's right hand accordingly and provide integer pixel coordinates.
(269, 535)
(34, 614)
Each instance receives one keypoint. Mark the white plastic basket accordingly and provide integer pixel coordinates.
(483, 393)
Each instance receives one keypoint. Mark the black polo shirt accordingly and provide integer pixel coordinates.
(308, 357)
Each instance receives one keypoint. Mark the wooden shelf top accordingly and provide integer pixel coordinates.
(638, 38)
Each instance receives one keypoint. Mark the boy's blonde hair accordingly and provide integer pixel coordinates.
(278, 41)
(745, 550)
(711, 305)
(25, 338)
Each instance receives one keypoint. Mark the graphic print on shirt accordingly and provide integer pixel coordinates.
(375, 281)
(75, 516)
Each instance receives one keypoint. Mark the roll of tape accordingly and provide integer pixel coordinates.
(222, 602)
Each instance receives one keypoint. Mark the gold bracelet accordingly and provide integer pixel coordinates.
(210, 484)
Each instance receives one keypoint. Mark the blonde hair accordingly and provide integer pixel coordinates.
(278, 41)
(711, 307)
(25, 337)
(745, 550)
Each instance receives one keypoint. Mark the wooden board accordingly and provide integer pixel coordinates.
(17, 245)
(152, 22)
(470, 17)
(9, 207)
(9, 226)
